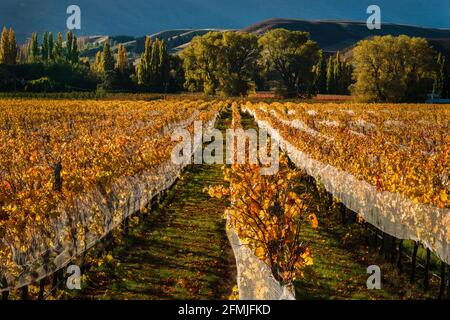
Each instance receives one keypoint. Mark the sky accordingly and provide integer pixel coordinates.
(140, 17)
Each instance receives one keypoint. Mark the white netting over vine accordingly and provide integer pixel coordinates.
(84, 222)
(390, 212)
(254, 278)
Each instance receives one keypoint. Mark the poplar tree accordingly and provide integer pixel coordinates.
(34, 48)
(143, 68)
(4, 46)
(97, 63)
(441, 84)
(58, 51)
(122, 60)
(155, 79)
(75, 53)
(44, 47)
(70, 47)
(330, 76)
(51, 47)
(107, 60)
(320, 82)
(164, 65)
(12, 52)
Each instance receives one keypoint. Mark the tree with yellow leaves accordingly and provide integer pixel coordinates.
(4, 46)
(122, 60)
(8, 47)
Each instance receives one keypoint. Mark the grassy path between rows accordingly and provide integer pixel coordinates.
(341, 258)
(180, 251)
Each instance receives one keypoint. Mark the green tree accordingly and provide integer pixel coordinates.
(221, 63)
(143, 69)
(238, 60)
(393, 69)
(200, 60)
(34, 48)
(441, 85)
(153, 70)
(331, 79)
(75, 55)
(154, 65)
(339, 75)
(164, 66)
(44, 47)
(72, 53)
(291, 57)
(58, 51)
(320, 74)
(69, 46)
(107, 62)
(51, 46)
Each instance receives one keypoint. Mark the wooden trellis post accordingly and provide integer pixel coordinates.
(426, 281)
(414, 261)
(41, 289)
(400, 254)
(393, 248)
(24, 293)
(342, 212)
(442, 286)
(383, 243)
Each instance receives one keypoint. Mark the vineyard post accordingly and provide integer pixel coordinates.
(442, 286)
(24, 293)
(41, 289)
(414, 261)
(383, 242)
(427, 271)
(125, 218)
(4, 284)
(448, 287)
(400, 254)
(393, 248)
(61, 278)
(55, 283)
(366, 233)
(329, 201)
(342, 212)
(375, 238)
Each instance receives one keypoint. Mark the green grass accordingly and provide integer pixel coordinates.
(341, 257)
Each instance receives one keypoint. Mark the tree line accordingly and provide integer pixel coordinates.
(57, 65)
(289, 63)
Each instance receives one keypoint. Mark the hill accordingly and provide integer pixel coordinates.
(139, 17)
(330, 35)
(339, 35)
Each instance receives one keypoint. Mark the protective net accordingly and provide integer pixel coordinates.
(254, 278)
(83, 222)
(390, 212)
